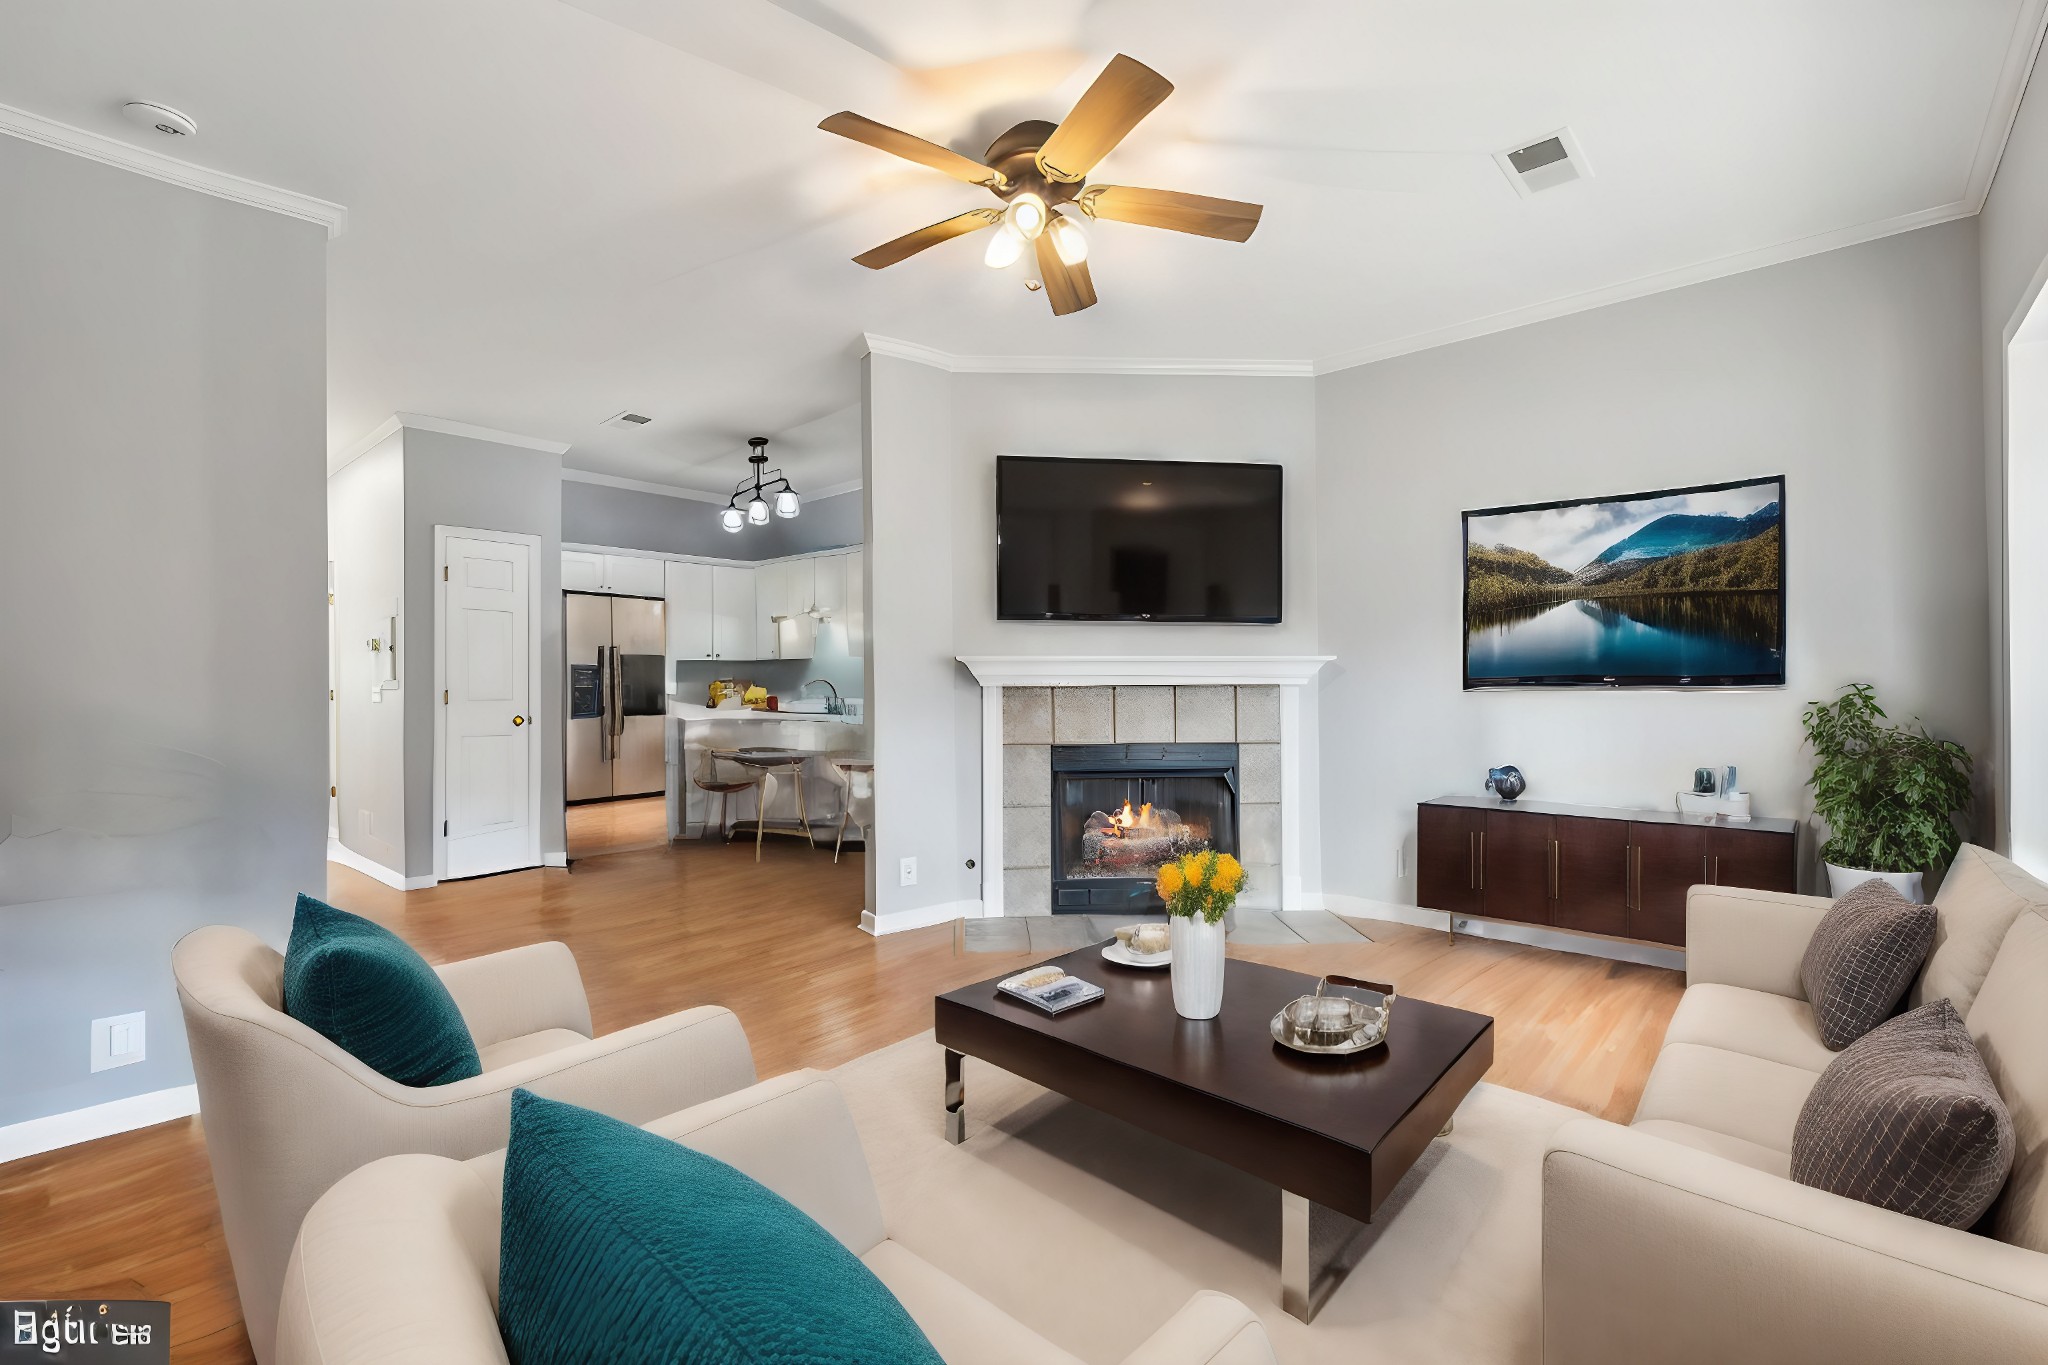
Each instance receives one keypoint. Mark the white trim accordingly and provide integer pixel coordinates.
(1082, 364)
(992, 860)
(554, 860)
(2029, 26)
(33, 1136)
(1699, 273)
(111, 151)
(666, 490)
(1137, 670)
(415, 421)
(377, 435)
(533, 745)
(919, 917)
(338, 852)
(834, 490)
(1528, 935)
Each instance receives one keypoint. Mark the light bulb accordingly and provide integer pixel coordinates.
(732, 519)
(785, 503)
(1069, 241)
(1003, 248)
(1027, 215)
(757, 511)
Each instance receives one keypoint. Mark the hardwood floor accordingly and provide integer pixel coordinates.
(658, 930)
(616, 826)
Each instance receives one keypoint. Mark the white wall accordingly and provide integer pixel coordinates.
(2026, 594)
(366, 542)
(1855, 374)
(2014, 260)
(162, 685)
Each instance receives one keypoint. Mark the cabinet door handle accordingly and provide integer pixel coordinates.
(1482, 860)
(1628, 877)
(1556, 867)
(1471, 860)
(1717, 869)
(1639, 878)
(1704, 876)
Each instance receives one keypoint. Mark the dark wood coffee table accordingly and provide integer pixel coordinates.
(1338, 1132)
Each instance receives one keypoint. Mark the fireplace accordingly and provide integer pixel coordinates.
(1120, 811)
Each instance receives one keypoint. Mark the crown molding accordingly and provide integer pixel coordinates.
(1737, 264)
(1132, 670)
(666, 490)
(2029, 26)
(1062, 364)
(415, 421)
(112, 151)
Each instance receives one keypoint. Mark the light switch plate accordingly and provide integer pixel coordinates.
(119, 1040)
(908, 871)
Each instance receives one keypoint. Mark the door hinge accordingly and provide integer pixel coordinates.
(444, 573)
(330, 599)
(332, 792)
(444, 696)
(330, 694)
(444, 829)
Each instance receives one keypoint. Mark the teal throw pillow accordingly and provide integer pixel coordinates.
(362, 987)
(621, 1246)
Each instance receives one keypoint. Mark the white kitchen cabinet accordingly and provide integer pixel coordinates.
(634, 575)
(783, 626)
(691, 614)
(828, 594)
(733, 590)
(770, 589)
(582, 572)
(857, 603)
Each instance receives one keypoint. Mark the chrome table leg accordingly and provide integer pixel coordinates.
(956, 1099)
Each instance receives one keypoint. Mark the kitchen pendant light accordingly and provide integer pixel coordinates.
(757, 489)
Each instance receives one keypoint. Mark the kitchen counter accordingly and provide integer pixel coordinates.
(695, 728)
(689, 711)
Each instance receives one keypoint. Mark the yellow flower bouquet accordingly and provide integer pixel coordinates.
(1204, 884)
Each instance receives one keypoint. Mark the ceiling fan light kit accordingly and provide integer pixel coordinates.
(1035, 168)
(761, 485)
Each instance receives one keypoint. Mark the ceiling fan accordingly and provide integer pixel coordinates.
(1039, 169)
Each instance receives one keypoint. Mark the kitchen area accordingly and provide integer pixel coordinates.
(749, 724)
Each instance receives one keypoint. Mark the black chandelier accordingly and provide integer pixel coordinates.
(761, 486)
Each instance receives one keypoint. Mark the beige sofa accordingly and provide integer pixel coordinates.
(398, 1263)
(288, 1113)
(1682, 1238)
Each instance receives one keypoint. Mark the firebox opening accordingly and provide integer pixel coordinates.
(1122, 811)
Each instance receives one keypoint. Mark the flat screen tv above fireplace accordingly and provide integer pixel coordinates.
(1137, 540)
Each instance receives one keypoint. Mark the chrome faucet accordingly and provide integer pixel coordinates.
(836, 706)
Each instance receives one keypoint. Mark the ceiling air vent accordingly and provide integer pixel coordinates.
(627, 421)
(1545, 163)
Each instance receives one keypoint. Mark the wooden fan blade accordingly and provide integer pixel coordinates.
(896, 142)
(910, 243)
(1124, 93)
(1230, 219)
(1067, 287)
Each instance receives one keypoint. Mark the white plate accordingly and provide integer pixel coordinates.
(1116, 952)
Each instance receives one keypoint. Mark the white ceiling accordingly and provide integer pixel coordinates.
(561, 210)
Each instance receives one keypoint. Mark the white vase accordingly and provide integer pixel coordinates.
(1197, 966)
(1840, 879)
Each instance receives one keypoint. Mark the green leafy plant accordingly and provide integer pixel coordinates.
(1890, 793)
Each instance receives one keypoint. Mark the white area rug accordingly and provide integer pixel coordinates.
(1093, 1233)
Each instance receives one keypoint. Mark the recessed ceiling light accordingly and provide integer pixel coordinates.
(162, 118)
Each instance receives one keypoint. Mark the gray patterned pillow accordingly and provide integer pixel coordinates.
(1907, 1119)
(1865, 952)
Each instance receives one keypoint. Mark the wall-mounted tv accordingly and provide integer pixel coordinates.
(1683, 588)
(1137, 540)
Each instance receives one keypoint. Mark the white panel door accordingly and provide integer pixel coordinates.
(857, 603)
(732, 603)
(488, 735)
(690, 614)
(582, 572)
(632, 574)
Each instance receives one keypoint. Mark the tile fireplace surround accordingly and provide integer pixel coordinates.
(1030, 704)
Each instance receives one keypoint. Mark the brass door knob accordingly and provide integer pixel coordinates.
(519, 720)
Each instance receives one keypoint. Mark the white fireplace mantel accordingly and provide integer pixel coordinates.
(1139, 670)
(1289, 672)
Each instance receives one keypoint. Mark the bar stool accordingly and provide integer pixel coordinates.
(722, 778)
(855, 779)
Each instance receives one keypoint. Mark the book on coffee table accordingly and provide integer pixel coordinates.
(1061, 993)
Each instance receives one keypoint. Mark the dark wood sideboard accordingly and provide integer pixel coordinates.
(1590, 868)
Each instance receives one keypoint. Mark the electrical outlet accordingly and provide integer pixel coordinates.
(118, 1040)
(907, 872)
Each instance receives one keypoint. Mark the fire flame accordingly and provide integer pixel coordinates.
(1124, 821)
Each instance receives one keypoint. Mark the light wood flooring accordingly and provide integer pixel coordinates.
(659, 930)
(617, 826)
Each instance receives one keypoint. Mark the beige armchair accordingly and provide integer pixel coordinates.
(288, 1113)
(398, 1263)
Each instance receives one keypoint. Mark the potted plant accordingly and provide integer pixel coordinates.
(1199, 890)
(1890, 794)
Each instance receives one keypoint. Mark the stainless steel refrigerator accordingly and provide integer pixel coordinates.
(616, 647)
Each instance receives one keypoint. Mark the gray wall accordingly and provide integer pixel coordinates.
(1854, 373)
(598, 514)
(2014, 255)
(484, 486)
(162, 765)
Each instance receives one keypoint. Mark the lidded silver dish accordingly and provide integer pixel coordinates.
(1336, 1024)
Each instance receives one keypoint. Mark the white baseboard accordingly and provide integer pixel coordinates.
(1528, 935)
(922, 917)
(338, 852)
(554, 860)
(47, 1134)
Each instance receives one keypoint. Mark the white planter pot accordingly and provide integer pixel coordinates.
(1840, 879)
(1197, 966)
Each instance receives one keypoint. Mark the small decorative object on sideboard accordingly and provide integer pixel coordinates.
(1199, 891)
(1889, 794)
(1336, 1025)
(1704, 782)
(1506, 782)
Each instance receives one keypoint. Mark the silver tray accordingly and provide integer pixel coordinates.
(1369, 1034)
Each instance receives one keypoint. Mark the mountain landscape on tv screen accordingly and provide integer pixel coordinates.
(1596, 591)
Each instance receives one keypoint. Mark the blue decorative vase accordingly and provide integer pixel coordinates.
(1506, 783)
